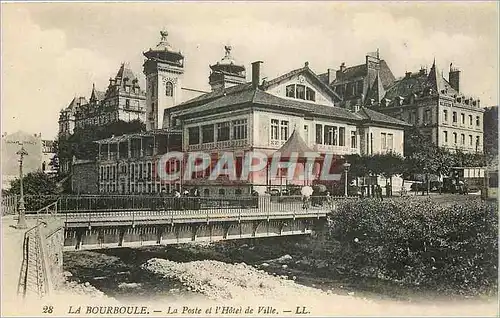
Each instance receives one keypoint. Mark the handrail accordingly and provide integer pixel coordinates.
(23, 275)
(46, 210)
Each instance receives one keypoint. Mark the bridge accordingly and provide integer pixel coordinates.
(96, 222)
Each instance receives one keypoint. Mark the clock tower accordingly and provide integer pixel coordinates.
(164, 69)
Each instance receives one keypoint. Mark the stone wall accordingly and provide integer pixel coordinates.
(85, 177)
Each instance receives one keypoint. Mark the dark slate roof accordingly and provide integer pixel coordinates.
(77, 101)
(376, 91)
(416, 83)
(377, 117)
(296, 145)
(125, 72)
(354, 72)
(204, 98)
(257, 97)
(385, 74)
(360, 71)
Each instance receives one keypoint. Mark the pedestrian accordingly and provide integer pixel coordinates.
(379, 192)
(328, 200)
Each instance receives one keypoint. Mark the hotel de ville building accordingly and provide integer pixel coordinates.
(338, 113)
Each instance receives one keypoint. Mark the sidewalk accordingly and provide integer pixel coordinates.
(12, 248)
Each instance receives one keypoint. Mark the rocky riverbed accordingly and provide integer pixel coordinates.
(281, 270)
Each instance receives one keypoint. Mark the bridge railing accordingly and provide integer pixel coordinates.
(81, 204)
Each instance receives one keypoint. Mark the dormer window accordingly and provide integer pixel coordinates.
(300, 92)
(310, 94)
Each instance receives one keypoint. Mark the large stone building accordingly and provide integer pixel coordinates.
(297, 108)
(357, 84)
(427, 100)
(123, 100)
(264, 116)
(441, 111)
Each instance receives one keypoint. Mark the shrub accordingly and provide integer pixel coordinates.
(417, 243)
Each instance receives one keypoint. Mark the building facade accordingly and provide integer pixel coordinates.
(123, 100)
(448, 117)
(126, 163)
(40, 153)
(263, 116)
(358, 84)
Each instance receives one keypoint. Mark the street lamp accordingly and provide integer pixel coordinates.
(21, 222)
(346, 166)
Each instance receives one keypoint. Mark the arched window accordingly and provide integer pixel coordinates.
(169, 89)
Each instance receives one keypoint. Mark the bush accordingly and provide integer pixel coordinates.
(418, 243)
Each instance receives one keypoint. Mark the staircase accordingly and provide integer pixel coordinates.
(42, 255)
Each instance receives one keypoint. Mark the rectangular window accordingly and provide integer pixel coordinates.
(306, 134)
(240, 129)
(427, 116)
(194, 135)
(477, 142)
(470, 140)
(223, 131)
(284, 129)
(330, 135)
(445, 136)
(470, 120)
(454, 117)
(390, 142)
(462, 139)
(127, 103)
(301, 92)
(445, 116)
(341, 136)
(354, 143)
(319, 134)
(310, 94)
(383, 138)
(477, 121)
(462, 117)
(455, 138)
(275, 129)
(207, 132)
(290, 91)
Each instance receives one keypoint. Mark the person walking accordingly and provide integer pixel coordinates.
(379, 192)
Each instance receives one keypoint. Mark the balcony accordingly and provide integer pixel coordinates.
(219, 145)
(334, 149)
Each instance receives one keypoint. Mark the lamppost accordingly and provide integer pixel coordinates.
(346, 166)
(21, 222)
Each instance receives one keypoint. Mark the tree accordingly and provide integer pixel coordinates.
(35, 183)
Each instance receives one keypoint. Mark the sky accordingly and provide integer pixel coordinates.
(52, 52)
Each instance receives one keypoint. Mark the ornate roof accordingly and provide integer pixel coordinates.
(227, 63)
(164, 51)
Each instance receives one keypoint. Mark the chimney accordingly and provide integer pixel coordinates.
(342, 67)
(256, 73)
(407, 74)
(454, 78)
(332, 76)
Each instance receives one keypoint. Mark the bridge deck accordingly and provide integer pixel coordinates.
(115, 218)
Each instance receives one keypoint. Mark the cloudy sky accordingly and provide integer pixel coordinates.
(52, 52)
